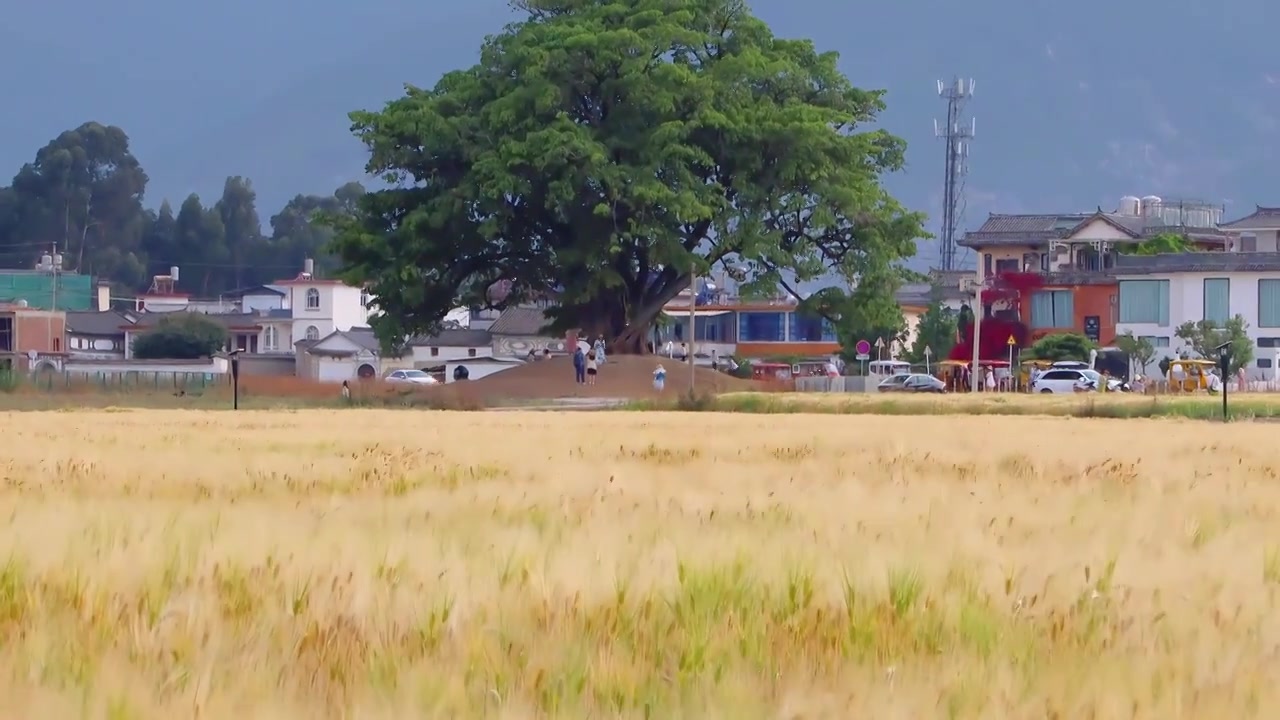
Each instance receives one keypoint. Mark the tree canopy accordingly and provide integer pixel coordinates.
(84, 191)
(1205, 336)
(181, 336)
(605, 152)
(935, 331)
(1158, 244)
(1059, 347)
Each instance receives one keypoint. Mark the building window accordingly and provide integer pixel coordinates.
(1264, 363)
(1144, 301)
(471, 352)
(1269, 303)
(271, 338)
(313, 299)
(1156, 342)
(1269, 342)
(435, 352)
(1052, 309)
(364, 299)
(1217, 300)
(57, 344)
(1007, 266)
(6, 334)
(1248, 243)
(811, 328)
(987, 263)
(313, 332)
(762, 327)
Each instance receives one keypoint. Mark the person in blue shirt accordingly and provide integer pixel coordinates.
(659, 378)
(580, 366)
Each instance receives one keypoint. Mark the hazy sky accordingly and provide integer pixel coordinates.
(1077, 103)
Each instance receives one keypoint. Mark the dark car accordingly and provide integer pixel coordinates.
(893, 383)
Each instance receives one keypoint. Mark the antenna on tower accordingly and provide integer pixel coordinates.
(957, 132)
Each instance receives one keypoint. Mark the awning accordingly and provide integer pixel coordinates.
(696, 313)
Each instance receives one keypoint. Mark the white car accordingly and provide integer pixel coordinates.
(410, 377)
(1070, 380)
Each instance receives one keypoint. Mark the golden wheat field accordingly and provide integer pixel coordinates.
(396, 564)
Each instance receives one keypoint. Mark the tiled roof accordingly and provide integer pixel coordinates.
(1206, 262)
(253, 290)
(1036, 229)
(227, 320)
(1260, 217)
(521, 321)
(462, 337)
(96, 323)
(1021, 229)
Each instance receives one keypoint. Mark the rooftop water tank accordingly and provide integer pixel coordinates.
(1151, 206)
(1130, 206)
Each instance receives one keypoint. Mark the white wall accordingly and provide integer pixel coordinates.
(339, 309)
(1265, 240)
(423, 356)
(95, 347)
(1186, 304)
(329, 369)
(284, 337)
(267, 301)
(477, 370)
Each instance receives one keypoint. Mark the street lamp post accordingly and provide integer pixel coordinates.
(1224, 367)
(235, 378)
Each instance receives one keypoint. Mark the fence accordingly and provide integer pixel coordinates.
(840, 384)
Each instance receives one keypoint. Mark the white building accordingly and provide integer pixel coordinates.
(321, 307)
(1160, 292)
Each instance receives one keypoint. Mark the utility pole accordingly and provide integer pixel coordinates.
(957, 133)
(974, 378)
(52, 264)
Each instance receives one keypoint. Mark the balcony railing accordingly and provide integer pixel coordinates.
(1079, 276)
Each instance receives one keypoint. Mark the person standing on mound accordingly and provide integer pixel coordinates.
(592, 368)
(659, 378)
(579, 367)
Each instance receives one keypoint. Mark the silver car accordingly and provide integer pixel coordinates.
(922, 383)
(410, 377)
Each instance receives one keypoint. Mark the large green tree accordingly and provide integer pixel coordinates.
(242, 230)
(84, 192)
(605, 152)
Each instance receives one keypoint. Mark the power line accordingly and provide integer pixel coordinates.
(957, 133)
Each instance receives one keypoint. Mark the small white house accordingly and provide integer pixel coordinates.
(97, 335)
(1160, 292)
(453, 344)
(341, 355)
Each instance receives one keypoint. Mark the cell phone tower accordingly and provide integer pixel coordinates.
(958, 133)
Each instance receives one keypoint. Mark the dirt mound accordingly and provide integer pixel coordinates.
(623, 376)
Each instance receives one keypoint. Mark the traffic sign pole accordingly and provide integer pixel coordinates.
(1012, 343)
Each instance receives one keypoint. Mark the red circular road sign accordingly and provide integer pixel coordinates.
(863, 347)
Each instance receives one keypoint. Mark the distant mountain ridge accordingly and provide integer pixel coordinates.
(1077, 104)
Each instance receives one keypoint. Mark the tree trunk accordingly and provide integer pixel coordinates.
(634, 335)
(633, 340)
